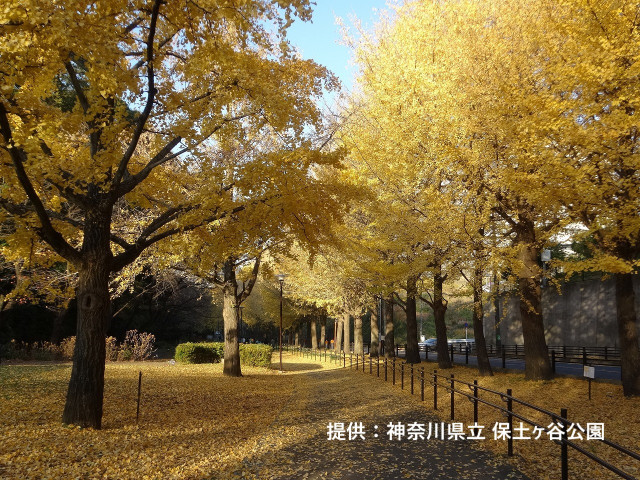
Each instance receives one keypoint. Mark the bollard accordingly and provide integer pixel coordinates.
(393, 374)
(466, 355)
(402, 376)
(553, 361)
(139, 394)
(378, 367)
(451, 348)
(350, 360)
(475, 402)
(370, 365)
(385, 369)
(510, 420)
(344, 357)
(452, 398)
(564, 448)
(363, 363)
(504, 358)
(435, 389)
(412, 379)
(422, 384)
(357, 360)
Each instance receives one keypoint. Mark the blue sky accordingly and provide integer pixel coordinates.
(320, 40)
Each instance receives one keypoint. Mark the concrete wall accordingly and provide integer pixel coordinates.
(582, 314)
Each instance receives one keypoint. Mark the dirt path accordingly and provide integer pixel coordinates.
(296, 446)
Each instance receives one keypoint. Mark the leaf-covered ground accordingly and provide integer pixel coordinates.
(196, 423)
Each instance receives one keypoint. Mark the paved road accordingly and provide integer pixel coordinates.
(297, 445)
(606, 372)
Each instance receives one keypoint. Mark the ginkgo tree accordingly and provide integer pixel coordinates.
(181, 75)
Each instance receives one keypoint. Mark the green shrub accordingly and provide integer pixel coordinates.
(197, 353)
(255, 355)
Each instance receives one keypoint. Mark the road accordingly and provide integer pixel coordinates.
(604, 372)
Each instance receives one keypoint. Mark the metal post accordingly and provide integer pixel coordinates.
(357, 365)
(385, 369)
(510, 420)
(435, 389)
(584, 355)
(553, 361)
(344, 360)
(378, 366)
(139, 394)
(451, 348)
(504, 358)
(402, 376)
(605, 353)
(281, 284)
(393, 374)
(564, 447)
(475, 402)
(452, 398)
(466, 355)
(350, 360)
(422, 384)
(370, 365)
(412, 379)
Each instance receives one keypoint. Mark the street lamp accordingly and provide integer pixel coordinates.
(281, 277)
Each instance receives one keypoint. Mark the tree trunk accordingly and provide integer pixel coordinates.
(439, 311)
(296, 338)
(314, 331)
(346, 321)
(323, 330)
(484, 366)
(373, 349)
(389, 344)
(338, 334)
(230, 314)
(412, 354)
(84, 401)
(358, 345)
(536, 354)
(628, 334)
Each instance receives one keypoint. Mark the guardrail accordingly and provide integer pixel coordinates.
(503, 402)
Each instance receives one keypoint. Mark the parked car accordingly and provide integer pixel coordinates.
(429, 344)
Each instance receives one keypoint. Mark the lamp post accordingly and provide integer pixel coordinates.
(281, 277)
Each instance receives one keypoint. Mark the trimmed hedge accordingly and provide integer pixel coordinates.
(197, 353)
(254, 355)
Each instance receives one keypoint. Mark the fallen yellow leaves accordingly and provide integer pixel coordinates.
(193, 421)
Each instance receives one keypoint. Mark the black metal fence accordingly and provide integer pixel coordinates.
(511, 407)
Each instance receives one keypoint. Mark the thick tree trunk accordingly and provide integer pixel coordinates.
(628, 334)
(484, 366)
(439, 311)
(346, 322)
(536, 353)
(296, 338)
(323, 330)
(389, 344)
(84, 401)
(314, 331)
(373, 349)
(413, 355)
(230, 316)
(338, 333)
(358, 345)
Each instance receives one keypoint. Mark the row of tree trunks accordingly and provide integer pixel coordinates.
(346, 320)
(375, 332)
(628, 334)
(484, 366)
(439, 307)
(389, 344)
(412, 353)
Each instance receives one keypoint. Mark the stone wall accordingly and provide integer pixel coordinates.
(583, 314)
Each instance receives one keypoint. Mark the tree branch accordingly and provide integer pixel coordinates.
(47, 232)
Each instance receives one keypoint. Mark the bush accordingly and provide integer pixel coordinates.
(255, 355)
(67, 346)
(197, 353)
(137, 346)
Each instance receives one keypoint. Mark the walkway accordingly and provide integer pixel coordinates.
(296, 444)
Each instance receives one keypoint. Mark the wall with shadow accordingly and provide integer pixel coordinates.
(579, 313)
